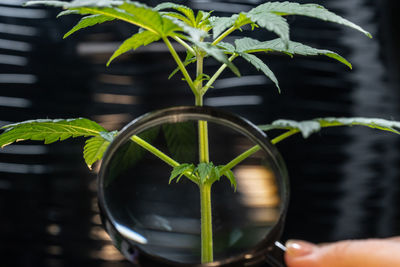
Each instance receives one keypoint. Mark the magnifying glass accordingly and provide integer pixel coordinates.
(156, 222)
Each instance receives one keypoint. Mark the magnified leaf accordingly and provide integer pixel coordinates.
(181, 140)
(129, 155)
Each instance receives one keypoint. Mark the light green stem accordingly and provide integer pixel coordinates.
(154, 151)
(184, 44)
(284, 136)
(206, 223)
(226, 33)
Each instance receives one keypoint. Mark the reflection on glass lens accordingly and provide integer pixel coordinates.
(163, 219)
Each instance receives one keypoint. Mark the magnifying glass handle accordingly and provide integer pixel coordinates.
(276, 257)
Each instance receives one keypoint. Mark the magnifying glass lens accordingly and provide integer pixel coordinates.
(159, 214)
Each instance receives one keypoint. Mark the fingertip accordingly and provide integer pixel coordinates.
(299, 253)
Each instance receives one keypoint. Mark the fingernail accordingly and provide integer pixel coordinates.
(298, 248)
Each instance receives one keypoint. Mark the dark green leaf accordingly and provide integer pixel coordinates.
(260, 65)
(271, 22)
(181, 140)
(129, 155)
(139, 39)
(220, 24)
(49, 131)
(249, 45)
(87, 22)
(310, 10)
(227, 47)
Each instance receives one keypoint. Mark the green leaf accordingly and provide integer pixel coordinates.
(220, 24)
(179, 171)
(260, 65)
(218, 54)
(249, 45)
(87, 22)
(181, 140)
(94, 150)
(131, 12)
(309, 10)
(135, 41)
(49, 131)
(188, 12)
(194, 33)
(309, 127)
(231, 177)
(202, 19)
(227, 47)
(67, 12)
(271, 22)
(177, 16)
(76, 3)
(204, 170)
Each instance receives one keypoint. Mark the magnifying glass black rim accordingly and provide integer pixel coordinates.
(210, 114)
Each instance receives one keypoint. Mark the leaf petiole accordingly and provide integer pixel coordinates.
(216, 75)
(180, 65)
(184, 44)
(225, 34)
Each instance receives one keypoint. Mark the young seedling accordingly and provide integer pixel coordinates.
(202, 35)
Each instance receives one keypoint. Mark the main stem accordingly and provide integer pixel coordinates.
(205, 188)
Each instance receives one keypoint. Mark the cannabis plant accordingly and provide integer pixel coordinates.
(203, 37)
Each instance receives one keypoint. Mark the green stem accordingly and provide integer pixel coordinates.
(155, 151)
(205, 188)
(226, 33)
(240, 158)
(180, 65)
(284, 136)
(159, 154)
(202, 125)
(184, 44)
(206, 223)
(216, 75)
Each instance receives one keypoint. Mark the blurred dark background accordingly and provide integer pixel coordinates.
(345, 182)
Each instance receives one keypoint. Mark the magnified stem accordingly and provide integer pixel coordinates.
(254, 149)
